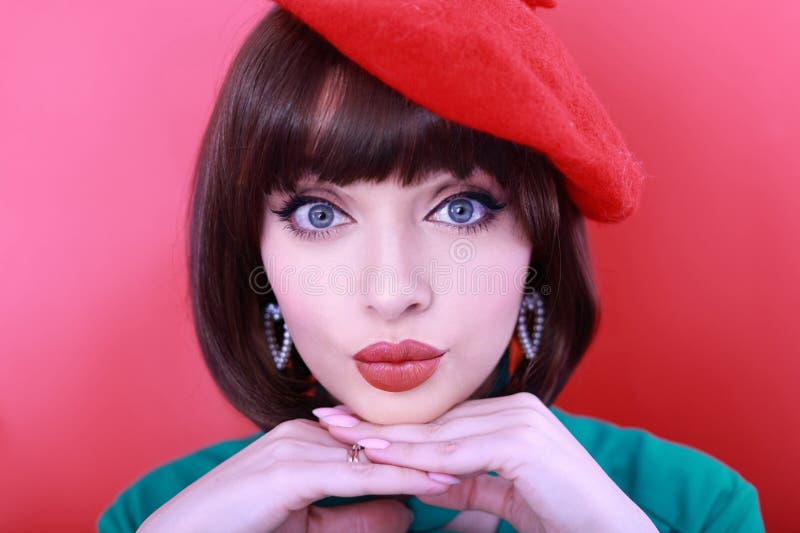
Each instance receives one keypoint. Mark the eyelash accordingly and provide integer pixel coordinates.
(296, 201)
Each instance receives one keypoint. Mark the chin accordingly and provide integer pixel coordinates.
(397, 411)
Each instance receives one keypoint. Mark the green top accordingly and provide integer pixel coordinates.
(680, 488)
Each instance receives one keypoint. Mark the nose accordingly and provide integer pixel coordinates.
(395, 281)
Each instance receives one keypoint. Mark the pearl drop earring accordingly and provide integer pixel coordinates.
(272, 314)
(530, 303)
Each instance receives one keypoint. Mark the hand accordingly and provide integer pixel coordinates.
(547, 481)
(271, 484)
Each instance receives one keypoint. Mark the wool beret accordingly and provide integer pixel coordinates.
(494, 66)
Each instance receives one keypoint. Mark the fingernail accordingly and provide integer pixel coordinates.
(374, 443)
(319, 412)
(444, 478)
(346, 421)
(344, 408)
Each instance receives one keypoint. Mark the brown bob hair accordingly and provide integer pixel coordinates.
(267, 130)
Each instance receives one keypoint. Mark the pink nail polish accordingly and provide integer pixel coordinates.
(342, 407)
(444, 478)
(319, 412)
(371, 442)
(346, 421)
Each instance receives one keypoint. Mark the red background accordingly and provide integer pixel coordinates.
(102, 107)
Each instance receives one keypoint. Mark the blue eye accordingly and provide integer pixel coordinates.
(319, 215)
(461, 210)
(470, 211)
(309, 217)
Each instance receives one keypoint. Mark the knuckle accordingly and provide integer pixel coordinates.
(448, 447)
(285, 448)
(292, 428)
(529, 417)
(434, 429)
(283, 429)
(529, 400)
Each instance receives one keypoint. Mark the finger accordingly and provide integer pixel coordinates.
(482, 493)
(491, 494)
(491, 452)
(345, 408)
(304, 430)
(495, 406)
(343, 479)
(326, 411)
(498, 406)
(290, 449)
(300, 429)
(453, 429)
(338, 419)
(380, 514)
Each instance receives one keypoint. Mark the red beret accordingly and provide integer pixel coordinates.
(491, 65)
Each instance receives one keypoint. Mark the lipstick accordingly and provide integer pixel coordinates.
(398, 367)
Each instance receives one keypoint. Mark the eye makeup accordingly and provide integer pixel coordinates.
(490, 206)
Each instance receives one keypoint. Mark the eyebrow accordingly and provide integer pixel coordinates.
(447, 183)
(468, 182)
(330, 188)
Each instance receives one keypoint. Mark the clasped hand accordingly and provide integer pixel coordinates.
(547, 482)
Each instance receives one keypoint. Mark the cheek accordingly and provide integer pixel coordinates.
(485, 315)
(303, 308)
(292, 269)
(496, 278)
(296, 274)
(487, 319)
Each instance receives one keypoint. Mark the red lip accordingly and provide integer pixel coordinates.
(408, 350)
(398, 367)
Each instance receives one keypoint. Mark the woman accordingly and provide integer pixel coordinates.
(421, 285)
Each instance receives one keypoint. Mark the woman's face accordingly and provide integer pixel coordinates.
(356, 265)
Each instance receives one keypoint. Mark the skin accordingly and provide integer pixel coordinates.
(547, 482)
(542, 469)
(390, 227)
